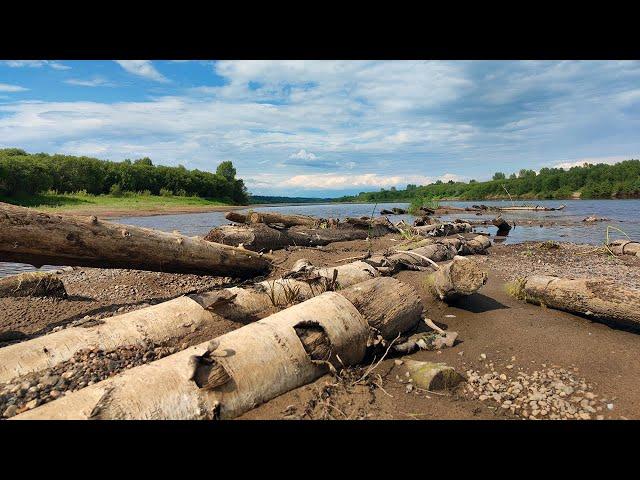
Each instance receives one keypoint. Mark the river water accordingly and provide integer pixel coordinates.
(622, 214)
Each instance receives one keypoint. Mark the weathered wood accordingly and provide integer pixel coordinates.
(286, 220)
(442, 229)
(236, 217)
(432, 376)
(625, 247)
(170, 321)
(263, 360)
(596, 298)
(389, 306)
(32, 284)
(38, 238)
(262, 238)
(461, 276)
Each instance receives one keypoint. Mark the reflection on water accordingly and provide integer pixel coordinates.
(623, 214)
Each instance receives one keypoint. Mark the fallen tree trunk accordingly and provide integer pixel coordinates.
(32, 284)
(441, 229)
(240, 303)
(625, 247)
(37, 238)
(259, 237)
(236, 217)
(461, 276)
(170, 321)
(596, 298)
(243, 368)
(286, 220)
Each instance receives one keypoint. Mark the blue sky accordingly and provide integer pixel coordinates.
(327, 127)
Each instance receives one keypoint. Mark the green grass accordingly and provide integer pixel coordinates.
(128, 201)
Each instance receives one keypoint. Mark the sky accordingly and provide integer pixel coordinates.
(327, 128)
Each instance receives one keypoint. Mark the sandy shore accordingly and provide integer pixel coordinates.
(114, 212)
(497, 333)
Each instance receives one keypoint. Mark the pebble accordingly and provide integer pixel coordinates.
(537, 395)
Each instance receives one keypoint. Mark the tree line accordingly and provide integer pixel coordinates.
(621, 180)
(23, 174)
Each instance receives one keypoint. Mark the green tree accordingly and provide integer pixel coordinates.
(227, 170)
(499, 176)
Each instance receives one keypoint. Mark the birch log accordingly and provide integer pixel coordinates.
(596, 298)
(39, 238)
(171, 321)
(261, 361)
(462, 276)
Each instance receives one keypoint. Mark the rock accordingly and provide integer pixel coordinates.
(32, 404)
(398, 362)
(10, 411)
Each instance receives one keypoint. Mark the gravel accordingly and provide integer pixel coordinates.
(561, 259)
(85, 368)
(552, 393)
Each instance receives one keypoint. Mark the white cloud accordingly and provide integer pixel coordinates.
(36, 64)
(5, 87)
(303, 155)
(594, 161)
(97, 81)
(332, 181)
(142, 68)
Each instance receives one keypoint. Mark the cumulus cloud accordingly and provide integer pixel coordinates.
(303, 155)
(314, 123)
(332, 181)
(143, 68)
(5, 87)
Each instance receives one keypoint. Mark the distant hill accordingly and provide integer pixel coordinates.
(257, 199)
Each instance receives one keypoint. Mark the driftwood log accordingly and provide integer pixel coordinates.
(259, 237)
(260, 361)
(462, 276)
(441, 229)
(625, 247)
(32, 284)
(286, 220)
(38, 238)
(171, 321)
(596, 298)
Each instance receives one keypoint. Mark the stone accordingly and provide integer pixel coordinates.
(10, 411)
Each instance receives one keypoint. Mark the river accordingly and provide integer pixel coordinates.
(622, 214)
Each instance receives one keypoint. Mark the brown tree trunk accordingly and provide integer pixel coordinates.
(262, 238)
(286, 220)
(594, 297)
(236, 217)
(39, 238)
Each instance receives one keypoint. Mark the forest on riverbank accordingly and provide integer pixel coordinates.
(25, 178)
(620, 180)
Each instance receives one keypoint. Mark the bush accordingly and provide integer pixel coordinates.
(165, 192)
(115, 190)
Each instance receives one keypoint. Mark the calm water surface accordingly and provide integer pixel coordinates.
(623, 214)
